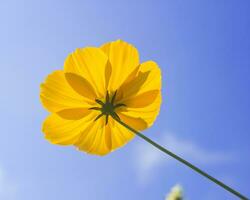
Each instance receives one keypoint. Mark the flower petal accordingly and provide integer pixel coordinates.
(73, 113)
(124, 59)
(142, 95)
(148, 78)
(153, 81)
(56, 94)
(65, 132)
(142, 100)
(136, 123)
(81, 85)
(101, 139)
(90, 63)
(93, 140)
(121, 135)
(148, 113)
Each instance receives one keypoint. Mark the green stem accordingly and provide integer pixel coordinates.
(183, 161)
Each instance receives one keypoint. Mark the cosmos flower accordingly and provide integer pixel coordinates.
(97, 87)
(175, 193)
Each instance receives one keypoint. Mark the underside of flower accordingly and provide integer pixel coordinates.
(97, 88)
(108, 107)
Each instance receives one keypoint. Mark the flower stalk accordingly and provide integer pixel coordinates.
(188, 164)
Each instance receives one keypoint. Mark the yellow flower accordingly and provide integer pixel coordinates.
(175, 194)
(97, 86)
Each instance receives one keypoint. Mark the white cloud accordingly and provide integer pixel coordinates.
(7, 188)
(148, 158)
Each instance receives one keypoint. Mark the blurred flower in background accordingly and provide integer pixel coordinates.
(175, 193)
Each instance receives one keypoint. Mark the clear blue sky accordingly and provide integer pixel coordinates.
(203, 50)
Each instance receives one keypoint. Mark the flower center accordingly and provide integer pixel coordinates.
(108, 107)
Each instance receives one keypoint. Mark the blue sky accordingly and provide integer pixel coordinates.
(203, 50)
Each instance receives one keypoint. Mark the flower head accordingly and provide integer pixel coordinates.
(97, 86)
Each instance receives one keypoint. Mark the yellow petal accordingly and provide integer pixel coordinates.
(65, 132)
(90, 63)
(153, 81)
(108, 136)
(148, 78)
(136, 123)
(121, 135)
(142, 100)
(73, 113)
(148, 113)
(93, 140)
(133, 87)
(124, 59)
(81, 85)
(143, 94)
(101, 139)
(56, 94)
